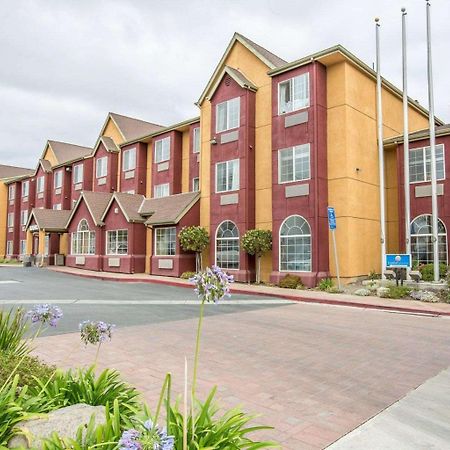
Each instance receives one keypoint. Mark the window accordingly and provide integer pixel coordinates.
(117, 242)
(57, 206)
(9, 248)
(23, 247)
(162, 150)
(422, 240)
(165, 241)
(227, 245)
(227, 176)
(195, 184)
(25, 188)
(47, 244)
(295, 245)
(420, 164)
(57, 179)
(101, 167)
(83, 240)
(11, 191)
(78, 174)
(129, 159)
(294, 164)
(10, 220)
(23, 216)
(196, 140)
(161, 190)
(40, 183)
(293, 94)
(227, 115)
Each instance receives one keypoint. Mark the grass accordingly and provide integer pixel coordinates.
(9, 261)
(13, 328)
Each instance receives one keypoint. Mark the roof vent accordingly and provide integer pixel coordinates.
(227, 80)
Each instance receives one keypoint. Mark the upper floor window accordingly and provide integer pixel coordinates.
(11, 191)
(25, 188)
(161, 190)
(294, 164)
(78, 174)
(227, 176)
(162, 150)
(227, 115)
(57, 179)
(23, 216)
(117, 242)
(129, 159)
(196, 140)
(195, 184)
(40, 184)
(165, 241)
(420, 164)
(101, 167)
(10, 220)
(293, 94)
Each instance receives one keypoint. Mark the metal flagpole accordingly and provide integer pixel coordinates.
(380, 152)
(434, 206)
(406, 139)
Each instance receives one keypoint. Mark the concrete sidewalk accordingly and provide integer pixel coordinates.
(309, 296)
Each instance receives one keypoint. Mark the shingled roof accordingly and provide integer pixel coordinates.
(49, 219)
(96, 203)
(168, 210)
(133, 128)
(129, 204)
(441, 130)
(13, 171)
(65, 152)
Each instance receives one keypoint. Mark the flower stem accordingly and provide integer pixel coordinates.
(96, 354)
(166, 385)
(197, 348)
(185, 408)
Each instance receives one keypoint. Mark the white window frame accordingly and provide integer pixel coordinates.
(228, 104)
(160, 187)
(292, 150)
(11, 192)
(238, 239)
(9, 248)
(104, 165)
(193, 184)
(162, 150)
(23, 247)
(126, 155)
(57, 207)
(291, 82)
(196, 142)
(10, 220)
(115, 234)
(227, 164)
(23, 216)
(25, 191)
(40, 184)
(57, 179)
(423, 149)
(77, 170)
(157, 235)
(78, 237)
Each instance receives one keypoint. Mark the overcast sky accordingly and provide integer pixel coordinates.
(66, 63)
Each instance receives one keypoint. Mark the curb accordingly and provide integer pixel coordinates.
(287, 296)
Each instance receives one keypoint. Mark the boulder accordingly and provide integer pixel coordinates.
(362, 292)
(424, 296)
(64, 421)
(383, 292)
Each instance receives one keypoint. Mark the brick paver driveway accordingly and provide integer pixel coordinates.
(315, 372)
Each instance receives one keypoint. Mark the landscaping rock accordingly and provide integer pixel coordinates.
(362, 292)
(64, 421)
(424, 296)
(372, 285)
(383, 292)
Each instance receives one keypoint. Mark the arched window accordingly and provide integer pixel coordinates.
(422, 240)
(295, 245)
(83, 240)
(227, 245)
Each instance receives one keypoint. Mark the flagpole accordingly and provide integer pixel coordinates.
(434, 206)
(406, 138)
(380, 152)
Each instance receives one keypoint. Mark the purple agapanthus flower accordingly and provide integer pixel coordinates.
(46, 314)
(158, 438)
(212, 285)
(95, 332)
(129, 440)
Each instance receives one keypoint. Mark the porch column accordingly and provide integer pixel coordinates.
(29, 244)
(64, 244)
(148, 250)
(41, 242)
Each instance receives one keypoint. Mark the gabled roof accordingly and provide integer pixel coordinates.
(168, 210)
(65, 152)
(96, 203)
(14, 172)
(237, 76)
(49, 219)
(129, 204)
(45, 164)
(441, 130)
(271, 60)
(108, 143)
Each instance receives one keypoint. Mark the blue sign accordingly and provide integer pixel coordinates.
(400, 260)
(331, 218)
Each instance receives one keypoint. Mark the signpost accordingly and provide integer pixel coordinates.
(399, 263)
(332, 225)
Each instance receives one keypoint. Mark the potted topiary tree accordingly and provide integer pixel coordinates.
(257, 242)
(194, 239)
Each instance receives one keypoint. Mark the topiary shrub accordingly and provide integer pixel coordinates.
(290, 282)
(257, 242)
(187, 275)
(194, 239)
(427, 271)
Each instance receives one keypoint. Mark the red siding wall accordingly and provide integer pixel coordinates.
(45, 201)
(194, 164)
(86, 185)
(111, 177)
(138, 182)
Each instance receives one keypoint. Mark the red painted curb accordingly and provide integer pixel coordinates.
(242, 290)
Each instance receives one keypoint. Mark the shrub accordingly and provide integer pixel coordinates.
(427, 271)
(373, 275)
(290, 282)
(187, 275)
(257, 242)
(29, 368)
(398, 291)
(325, 284)
(13, 327)
(194, 239)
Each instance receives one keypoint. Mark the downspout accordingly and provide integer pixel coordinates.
(316, 175)
(132, 248)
